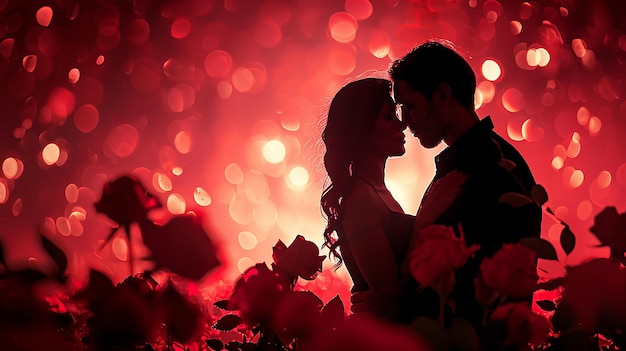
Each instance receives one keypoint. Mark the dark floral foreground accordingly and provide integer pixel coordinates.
(267, 309)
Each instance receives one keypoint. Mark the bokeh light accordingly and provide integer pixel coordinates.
(218, 107)
(274, 151)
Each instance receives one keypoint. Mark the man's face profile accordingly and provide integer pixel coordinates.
(418, 114)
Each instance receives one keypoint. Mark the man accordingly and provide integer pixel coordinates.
(435, 87)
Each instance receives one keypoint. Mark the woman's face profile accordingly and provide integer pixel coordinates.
(386, 137)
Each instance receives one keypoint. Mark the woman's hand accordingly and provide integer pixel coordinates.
(439, 197)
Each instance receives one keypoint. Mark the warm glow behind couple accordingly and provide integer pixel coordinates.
(427, 264)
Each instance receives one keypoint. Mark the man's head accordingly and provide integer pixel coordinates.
(434, 84)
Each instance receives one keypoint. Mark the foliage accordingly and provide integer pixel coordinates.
(267, 310)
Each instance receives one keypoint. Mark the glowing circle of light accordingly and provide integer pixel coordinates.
(224, 90)
(604, 179)
(298, 176)
(265, 215)
(576, 179)
(244, 263)
(29, 63)
(73, 75)
(247, 240)
(63, 226)
(218, 63)
(50, 154)
(243, 79)
(544, 57)
(491, 70)
(182, 142)
(161, 182)
(595, 125)
(121, 141)
(379, 43)
(4, 192)
(274, 151)
(513, 100)
(360, 9)
(343, 27)
(12, 168)
(86, 118)
(176, 204)
(181, 27)
(233, 174)
(240, 211)
(531, 131)
(201, 196)
(71, 193)
(584, 210)
(558, 162)
(44, 16)
(119, 247)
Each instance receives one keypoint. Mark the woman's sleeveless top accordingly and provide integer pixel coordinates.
(398, 231)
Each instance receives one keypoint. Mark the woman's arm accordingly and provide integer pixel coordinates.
(364, 220)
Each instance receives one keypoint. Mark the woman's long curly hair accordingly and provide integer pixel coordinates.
(351, 116)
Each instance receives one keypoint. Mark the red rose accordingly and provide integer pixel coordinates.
(437, 253)
(182, 246)
(300, 259)
(610, 228)
(523, 325)
(595, 291)
(257, 294)
(125, 200)
(511, 270)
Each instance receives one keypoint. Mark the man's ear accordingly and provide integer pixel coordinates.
(442, 94)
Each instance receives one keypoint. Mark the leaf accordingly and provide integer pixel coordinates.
(515, 200)
(57, 255)
(568, 240)
(546, 305)
(224, 305)
(543, 248)
(539, 194)
(233, 346)
(215, 344)
(227, 322)
(551, 284)
(334, 311)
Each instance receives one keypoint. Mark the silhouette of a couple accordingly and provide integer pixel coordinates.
(368, 231)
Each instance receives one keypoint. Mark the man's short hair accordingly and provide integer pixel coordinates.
(435, 62)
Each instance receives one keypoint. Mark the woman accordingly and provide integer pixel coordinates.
(367, 228)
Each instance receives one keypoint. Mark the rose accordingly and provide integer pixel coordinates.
(300, 258)
(610, 228)
(125, 200)
(511, 270)
(437, 253)
(523, 326)
(594, 293)
(257, 294)
(182, 246)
